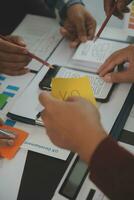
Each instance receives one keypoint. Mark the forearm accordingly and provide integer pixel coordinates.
(63, 5)
(111, 169)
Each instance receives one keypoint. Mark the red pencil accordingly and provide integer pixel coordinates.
(29, 53)
(105, 23)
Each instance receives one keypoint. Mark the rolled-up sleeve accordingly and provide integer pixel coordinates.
(112, 170)
(63, 5)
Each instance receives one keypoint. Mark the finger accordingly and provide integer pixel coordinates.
(6, 142)
(119, 77)
(74, 43)
(81, 29)
(91, 27)
(9, 47)
(45, 98)
(126, 10)
(122, 5)
(64, 32)
(12, 66)
(15, 73)
(75, 99)
(68, 34)
(13, 57)
(108, 4)
(118, 14)
(17, 40)
(115, 59)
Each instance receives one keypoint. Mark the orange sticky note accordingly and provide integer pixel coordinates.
(10, 151)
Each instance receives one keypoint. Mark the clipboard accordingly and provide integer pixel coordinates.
(103, 94)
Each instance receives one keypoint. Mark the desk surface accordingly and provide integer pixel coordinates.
(40, 178)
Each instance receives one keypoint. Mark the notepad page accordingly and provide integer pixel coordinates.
(93, 54)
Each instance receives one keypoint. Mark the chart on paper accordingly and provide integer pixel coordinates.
(10, 88)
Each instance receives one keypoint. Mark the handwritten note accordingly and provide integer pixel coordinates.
(62, 88)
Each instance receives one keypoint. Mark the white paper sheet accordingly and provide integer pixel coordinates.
(39, 142)
(10, 175)
(41, 35)
(28, 104)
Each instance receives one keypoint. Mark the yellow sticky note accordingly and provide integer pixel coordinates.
(62, 88)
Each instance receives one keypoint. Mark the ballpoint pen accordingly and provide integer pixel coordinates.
(44, 62)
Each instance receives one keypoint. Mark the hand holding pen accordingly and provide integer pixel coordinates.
(14, 57)
(121, 7)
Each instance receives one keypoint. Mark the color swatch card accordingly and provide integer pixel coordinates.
(129, 20)
(62, 88)
(3, 100)
(10, 88)
(10, 151)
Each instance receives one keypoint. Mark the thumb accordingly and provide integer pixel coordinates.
(46, 98)
(119, 77)
(81, 29)
(18, 40)
(73, 98)
(122, 5)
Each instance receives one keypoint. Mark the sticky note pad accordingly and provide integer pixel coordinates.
(3, 100)
(62, 88)
(10, 151)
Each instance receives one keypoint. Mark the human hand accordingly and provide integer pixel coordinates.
(79, 26)
(13, 57)
(121, 7)
(73, 124)
(7, 141)
(119, 57)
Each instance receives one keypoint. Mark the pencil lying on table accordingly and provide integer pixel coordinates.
(105, 23)
(31, 55)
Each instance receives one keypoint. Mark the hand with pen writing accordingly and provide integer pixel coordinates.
(121, 7)
(79, 25)
(13, 57)
(73, 124)
(125, 55)
(4, 140)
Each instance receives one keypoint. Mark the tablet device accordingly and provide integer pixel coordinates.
(102, 90)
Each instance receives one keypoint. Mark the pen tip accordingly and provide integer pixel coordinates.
(95, 38)
(50, 66)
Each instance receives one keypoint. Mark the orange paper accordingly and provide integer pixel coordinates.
(10, 151)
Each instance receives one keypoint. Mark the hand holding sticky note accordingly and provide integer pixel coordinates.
(10, 151)
(62, 88)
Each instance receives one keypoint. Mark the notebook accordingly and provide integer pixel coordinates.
(91, 55)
